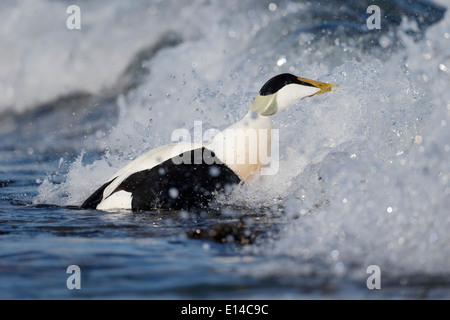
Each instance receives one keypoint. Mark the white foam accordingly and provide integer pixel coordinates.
(380, 195)
(43, 60)
(358, 185)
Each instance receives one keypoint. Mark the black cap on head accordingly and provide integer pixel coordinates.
(276, 83)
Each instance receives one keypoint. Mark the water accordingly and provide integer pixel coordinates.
(364, 170)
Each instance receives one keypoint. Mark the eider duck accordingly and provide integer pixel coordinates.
(184, 175)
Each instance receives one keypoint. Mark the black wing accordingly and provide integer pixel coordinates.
(187, 185)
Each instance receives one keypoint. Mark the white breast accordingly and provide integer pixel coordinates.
(243, 146)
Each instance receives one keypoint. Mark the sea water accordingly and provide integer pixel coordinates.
(363, 175)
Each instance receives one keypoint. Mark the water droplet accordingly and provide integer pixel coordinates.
(384, 41)
(339, 268)
(433, 237)
(173, 193)
(281, 61)
(214, 171)
(334, 254)
(184, 215)
(418, 139)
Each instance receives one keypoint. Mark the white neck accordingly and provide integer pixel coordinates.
(292, 93)
(244, 146)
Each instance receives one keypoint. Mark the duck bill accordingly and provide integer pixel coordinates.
(324, 87)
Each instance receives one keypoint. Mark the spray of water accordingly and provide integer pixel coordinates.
(364, 170)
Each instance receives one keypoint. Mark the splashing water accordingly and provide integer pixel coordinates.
(364, 170)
